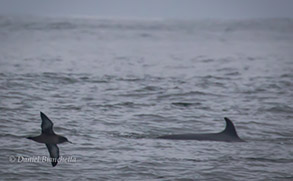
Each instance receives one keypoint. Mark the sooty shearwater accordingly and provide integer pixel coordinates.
(49, 138)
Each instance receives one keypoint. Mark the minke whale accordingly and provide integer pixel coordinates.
(50, 139)
(229, 134)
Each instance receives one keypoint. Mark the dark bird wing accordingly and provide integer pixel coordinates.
(54, 153)
(47, 124)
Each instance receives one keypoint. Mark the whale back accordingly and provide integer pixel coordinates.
(229, 134)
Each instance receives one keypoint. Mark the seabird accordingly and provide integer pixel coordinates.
(50, 139)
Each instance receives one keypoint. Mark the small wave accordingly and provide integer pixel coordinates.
(129, 79)
(150, 116)
(12, 135)
(121, 104)
(129, 135)
(286, 76)
(68, 107)
(2, 75)
(61, 78)
(61, 25)
(145, 35)
(138, 95)
(148, 88)
(216, 77)
(235, 73)
(191, 93)
(279, 109)
(271, 160)
(185, 104)
(208, 60)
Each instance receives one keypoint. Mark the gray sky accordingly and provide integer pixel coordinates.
(179, 9)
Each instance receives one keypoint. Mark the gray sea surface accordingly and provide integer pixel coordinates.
(111, 86)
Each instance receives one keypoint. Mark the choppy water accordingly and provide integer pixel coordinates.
(112, 86)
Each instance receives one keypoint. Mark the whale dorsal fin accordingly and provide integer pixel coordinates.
(230, 128)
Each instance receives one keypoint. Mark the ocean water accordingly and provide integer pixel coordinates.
(111, 86)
